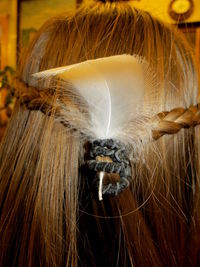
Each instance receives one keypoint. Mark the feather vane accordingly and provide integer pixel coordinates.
(113, 89)
(115, 93)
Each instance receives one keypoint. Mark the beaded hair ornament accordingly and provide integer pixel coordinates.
(110, 97)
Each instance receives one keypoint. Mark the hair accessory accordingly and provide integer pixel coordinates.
(105, 100)
(110, 92)
(110, 156)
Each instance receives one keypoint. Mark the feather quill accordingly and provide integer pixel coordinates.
(115, 90)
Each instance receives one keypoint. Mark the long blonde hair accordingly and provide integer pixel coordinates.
(47, 214)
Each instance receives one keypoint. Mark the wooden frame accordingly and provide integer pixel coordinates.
(3, 41)
(192, 29)
(197, 45)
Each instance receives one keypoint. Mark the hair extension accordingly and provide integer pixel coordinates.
(49, 213)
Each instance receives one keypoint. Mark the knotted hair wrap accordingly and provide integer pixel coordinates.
(110, 156)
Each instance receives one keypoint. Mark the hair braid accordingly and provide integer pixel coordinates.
(33, 98)
(171, 122)
(168, 122)
(38, 99)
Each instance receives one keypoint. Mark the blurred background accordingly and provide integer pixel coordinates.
(20, 20)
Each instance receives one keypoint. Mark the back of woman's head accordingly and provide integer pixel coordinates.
(48, 215)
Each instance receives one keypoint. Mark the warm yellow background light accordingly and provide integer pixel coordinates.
(36, 12)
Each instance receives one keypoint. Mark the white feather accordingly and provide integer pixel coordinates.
(113, 89)
(114, 95)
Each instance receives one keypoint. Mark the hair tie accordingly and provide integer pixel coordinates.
(111, 157)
